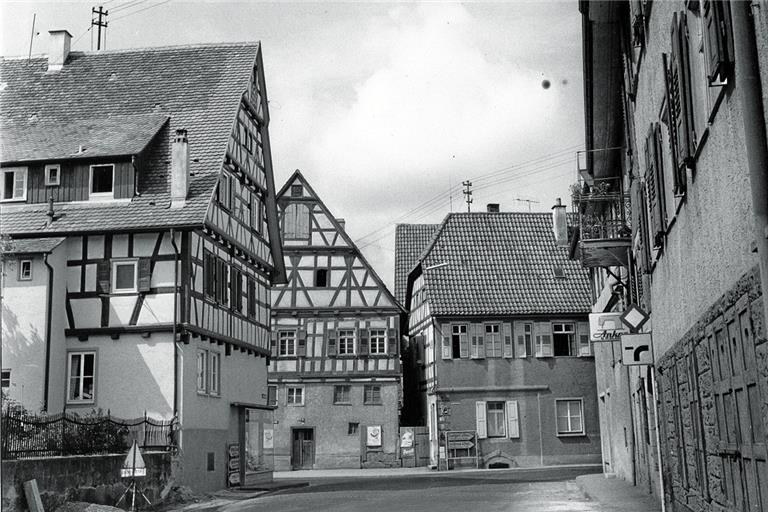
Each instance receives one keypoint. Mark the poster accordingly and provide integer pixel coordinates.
(406, 438)
(374, 435)
(268, 438)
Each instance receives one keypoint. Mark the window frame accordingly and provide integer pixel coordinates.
(380, 337)
(214, 373)
(570, 433)
(375, 398)
(21, 276)
(573, 341)
(493, 339)
(348, 342)
(457, 344)
(346, 395)
(25, 172)
(290, 399)
(48, 181)
(272, 400)
(280, 339)
(114, 263)
(100, 195)
(503, 413)
(202, 373)
(81, 378)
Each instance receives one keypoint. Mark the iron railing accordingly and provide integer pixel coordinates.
(602, 209)
(27, 435)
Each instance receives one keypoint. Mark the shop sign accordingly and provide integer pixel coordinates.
(606, 327)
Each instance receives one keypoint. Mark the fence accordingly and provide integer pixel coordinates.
(26, 435)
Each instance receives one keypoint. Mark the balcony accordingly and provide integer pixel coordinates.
(601, 231)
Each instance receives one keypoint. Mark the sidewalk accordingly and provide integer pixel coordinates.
(617, 495)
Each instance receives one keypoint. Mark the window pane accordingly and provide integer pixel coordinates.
(87, 388)
(74, 388)
(18, 189)
(125, 276)
(88, 363)
(495, 419)
(8, 185)
(101, 180)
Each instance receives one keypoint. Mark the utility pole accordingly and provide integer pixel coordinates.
(529, 201)
(468, 193)
(99, 23)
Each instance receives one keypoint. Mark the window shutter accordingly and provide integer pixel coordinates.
(473, 353)
(489, 348)
(685, 132)
(301, 334)
(513, 423)
(519, 328)
(661, 199)
(506, 333)
(446, 335)
(144, 267)
(274, 343)
(585, 346)
(464, 346)
(363, 342)
(545, 338)
(678, 169)
(480, 423)
(653, 189)
(392, 339)
(480, 333)
(331, 342)
(718, 39)
(102, 276)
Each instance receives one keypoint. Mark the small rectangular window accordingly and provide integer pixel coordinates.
(287, 343)
(271, 395)
(251, 298)
(341, 394)
(81, 381)
(295, 396)
(25, 270)
(346, 341)
(353, 428)
(225, 191)
(102, 181)
(372, 394)
(297, 190)
(559, 272)
(202, 371)
(378, 341)
(321, 277)
(14, 184)
(5, 379)
(52, 175)
(570, 416)
(124, 276)
(214, 380)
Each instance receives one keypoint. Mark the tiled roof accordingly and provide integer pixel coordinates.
(501, 264)
(198, 87)
(80, 138)
(410, 242)
(31, 245)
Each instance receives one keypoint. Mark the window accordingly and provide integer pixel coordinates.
(569, 414)
(346, 341)
(372, 394)
(102, 181)
(296, 222)
(256, 213)
(295, 396)
(459, 342)
(353, 428)
(208, 372)
(496, 420)
(321, 277)
(378, 341)
(543, 340)
(225, 191)
(214, 382)
(25, 270)
(297, 190)
(222, 282)
(14, 184)
(287, 341)
(564, 338)
(492, 340)
(124, 276)
(236, 290)
(81, 373)
(558, 272)
(202, 371)
(251, 298)
(341, 394)
(5, 379)
(271, 395)
(52, 175)
(524, 334)
(209, 275)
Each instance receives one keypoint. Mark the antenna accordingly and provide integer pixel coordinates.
(31, 38)
(468, 193)
(529, 201)
(101, 12)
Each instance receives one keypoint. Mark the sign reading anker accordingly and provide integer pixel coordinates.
(606, 327)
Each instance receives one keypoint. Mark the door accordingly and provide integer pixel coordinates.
(302, 448)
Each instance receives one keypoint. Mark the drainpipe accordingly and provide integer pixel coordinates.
(749, 90)
(48, 315)
(655, 389)
(175, 320)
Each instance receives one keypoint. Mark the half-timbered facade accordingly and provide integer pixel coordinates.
(141, 241)
(498, 319)
(335, 371)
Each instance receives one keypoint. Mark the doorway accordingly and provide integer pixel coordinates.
(302, 448)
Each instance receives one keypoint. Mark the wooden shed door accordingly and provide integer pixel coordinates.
(302, 448)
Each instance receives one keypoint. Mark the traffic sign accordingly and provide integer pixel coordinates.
(634, 317)
(636, 349)
(133, 465)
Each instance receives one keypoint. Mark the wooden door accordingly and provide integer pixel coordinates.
(302, 448)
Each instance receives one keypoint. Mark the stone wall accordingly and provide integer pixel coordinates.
(698, 415)
(90, 478)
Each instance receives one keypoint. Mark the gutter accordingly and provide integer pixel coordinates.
(48, 315)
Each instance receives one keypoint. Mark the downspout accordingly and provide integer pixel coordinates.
(658, 439)
(176, 253)
(749, 90)
(48, 315)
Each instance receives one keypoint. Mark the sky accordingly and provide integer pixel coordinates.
(385, 107)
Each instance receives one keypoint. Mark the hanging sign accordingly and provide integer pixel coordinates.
(636, 349)
(374, 435)
(606, 327)
(133, 466)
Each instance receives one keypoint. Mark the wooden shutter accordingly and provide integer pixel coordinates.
(363, 342)
(480, 422)
(331, 341)
(274, 343)
(513, 423)
(446, 337)
(654, 187)
(680, 83)
(103, 270)
(301, 335)
(480, 332)
(718, 39)
(678, 167)
(506, 336)
(585, 346)
(144, 267)
(519, 328)
(464, 345)
(392, 341)
(543, 339)
(489, 344)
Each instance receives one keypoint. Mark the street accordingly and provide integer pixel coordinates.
(536, 490)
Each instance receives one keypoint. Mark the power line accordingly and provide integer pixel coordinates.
(141, 10)
(128, 4)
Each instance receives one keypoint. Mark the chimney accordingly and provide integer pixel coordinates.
(559, 223)
(342, 223)
(493, 208)
(58, 51)
(179, 169)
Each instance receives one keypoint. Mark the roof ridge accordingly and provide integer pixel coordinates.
(224, 44)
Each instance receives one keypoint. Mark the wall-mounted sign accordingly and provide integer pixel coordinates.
(269, 436)
(636, 349)
(373, 437)
(634, 317)
(606, 327)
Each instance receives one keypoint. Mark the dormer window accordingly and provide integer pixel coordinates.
(559, 272)
(52, 175)
(14, 184)
(102, 181)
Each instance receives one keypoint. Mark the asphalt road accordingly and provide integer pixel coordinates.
(547, 490)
